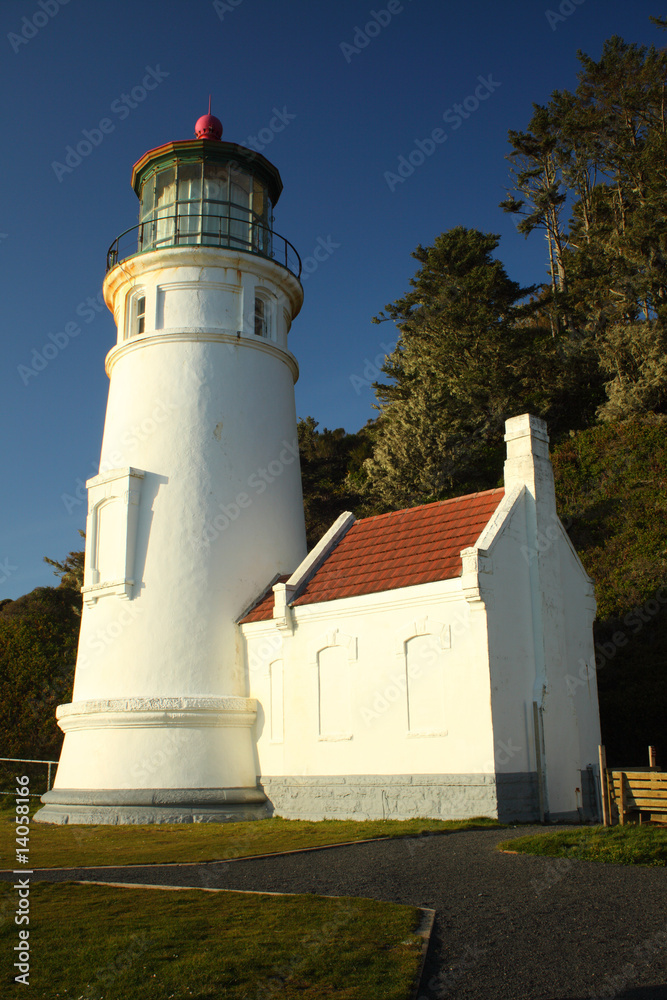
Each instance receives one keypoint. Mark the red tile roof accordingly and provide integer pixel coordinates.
(263, 610)
(400, 549)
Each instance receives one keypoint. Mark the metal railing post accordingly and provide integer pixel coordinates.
(24, 760)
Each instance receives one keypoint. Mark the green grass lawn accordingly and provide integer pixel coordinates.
(619, 845)
(107, 943)
(66, 846)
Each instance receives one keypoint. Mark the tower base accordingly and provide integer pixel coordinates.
(110, 806)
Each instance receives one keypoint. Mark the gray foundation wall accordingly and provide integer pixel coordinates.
(518, 797)
(422, 796)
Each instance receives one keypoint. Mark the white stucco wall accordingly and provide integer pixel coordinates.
(572, 719)
(506, 592)
(541, 611)
(450, 733)
(200, 479)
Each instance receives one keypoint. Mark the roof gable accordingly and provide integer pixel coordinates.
(401, 549)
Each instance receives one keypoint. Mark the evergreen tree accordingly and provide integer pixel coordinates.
(71, 570)
(470, 354)
(330, 463)
(611, 488)
(602, 151)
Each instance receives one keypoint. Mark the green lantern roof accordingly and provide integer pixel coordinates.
(212, 151)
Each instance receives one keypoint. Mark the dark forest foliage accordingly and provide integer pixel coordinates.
(39, 634)
(611, 488)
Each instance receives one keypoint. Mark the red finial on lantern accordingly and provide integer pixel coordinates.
(208, 126)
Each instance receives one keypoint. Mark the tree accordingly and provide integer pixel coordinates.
(330, 462)
(470, 353)
(536, 168)
(611, 488)
(38, 642)
(601, 152)
(71, 570)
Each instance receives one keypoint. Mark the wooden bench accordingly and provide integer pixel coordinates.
(636, 794)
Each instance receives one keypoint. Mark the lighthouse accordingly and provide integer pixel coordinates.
(197, 504)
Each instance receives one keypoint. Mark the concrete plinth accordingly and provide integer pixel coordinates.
(111, 806)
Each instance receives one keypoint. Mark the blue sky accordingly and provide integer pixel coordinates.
(352, 104)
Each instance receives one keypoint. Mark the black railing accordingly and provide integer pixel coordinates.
(208, 231)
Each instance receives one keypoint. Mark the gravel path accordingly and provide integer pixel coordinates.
(508, 927)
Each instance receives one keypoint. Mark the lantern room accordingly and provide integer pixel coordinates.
(205, 192)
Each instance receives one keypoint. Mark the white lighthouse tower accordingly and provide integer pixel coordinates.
(198, 501)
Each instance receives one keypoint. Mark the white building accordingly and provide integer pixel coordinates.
(426, 662)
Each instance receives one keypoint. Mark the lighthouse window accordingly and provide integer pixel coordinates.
(215, 209)
(135, 313)
(189, 182)
(147, 192)
(258, 199)
(215, 183)
(147, 229)
(207, 203)
(261, 235)
(140, 315)
(165, 188)
(261, 326)
(239, 210)
(189, 197)
(165, 196)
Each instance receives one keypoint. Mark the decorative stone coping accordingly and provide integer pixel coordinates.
(228, 711)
